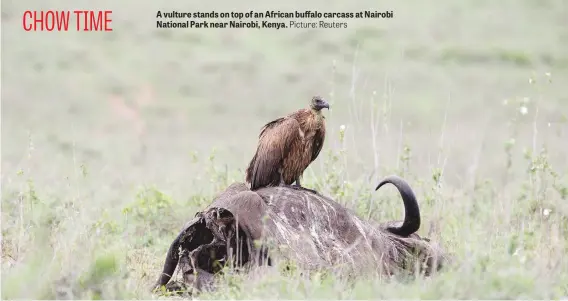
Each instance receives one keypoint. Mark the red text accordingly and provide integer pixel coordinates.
(50, 20)
(45, 20)
(88, 20)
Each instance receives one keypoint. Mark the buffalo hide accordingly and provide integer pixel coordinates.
(246, 228)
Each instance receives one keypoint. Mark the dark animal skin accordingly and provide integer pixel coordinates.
(287, 146)
(317, 231)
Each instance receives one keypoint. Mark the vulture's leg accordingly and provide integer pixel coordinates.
(298, 182)
(282, 183)
(299, 186)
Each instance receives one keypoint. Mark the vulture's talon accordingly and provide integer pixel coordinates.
(310, 190)
(298, 187)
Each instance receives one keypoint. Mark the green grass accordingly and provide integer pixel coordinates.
(111, 142)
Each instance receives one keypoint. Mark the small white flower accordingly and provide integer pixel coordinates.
(342, 128)
(546, 212)
(549, 76)
(523, 110)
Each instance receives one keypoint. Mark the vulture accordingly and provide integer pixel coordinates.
(287, 146)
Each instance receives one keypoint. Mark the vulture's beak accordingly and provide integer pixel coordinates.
(324, 104)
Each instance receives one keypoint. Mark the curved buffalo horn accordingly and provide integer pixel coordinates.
(411, 222)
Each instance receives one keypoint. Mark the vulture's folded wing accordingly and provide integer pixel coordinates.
(318, 142)
(276, 140)
(270, 125)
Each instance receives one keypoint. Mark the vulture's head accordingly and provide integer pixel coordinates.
(318, 103)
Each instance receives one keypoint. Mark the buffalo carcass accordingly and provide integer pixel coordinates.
(247, 228)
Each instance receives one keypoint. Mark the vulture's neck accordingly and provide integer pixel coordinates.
(318, 115)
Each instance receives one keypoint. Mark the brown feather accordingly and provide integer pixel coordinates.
(319, 138)
(285, 148)
(274, 144)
